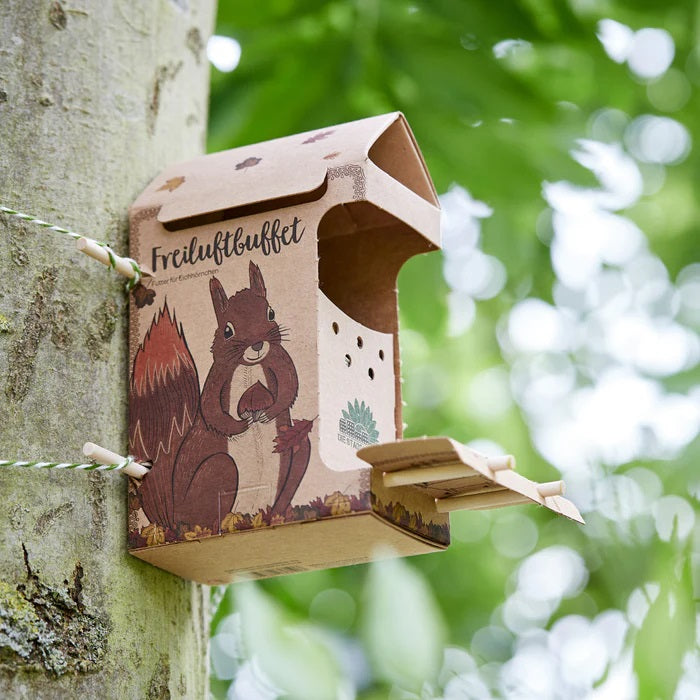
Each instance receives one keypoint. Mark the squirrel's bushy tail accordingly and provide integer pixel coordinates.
(163, 401)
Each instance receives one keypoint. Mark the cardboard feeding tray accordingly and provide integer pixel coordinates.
(264, 355)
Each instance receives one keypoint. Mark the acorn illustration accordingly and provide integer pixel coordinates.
(255, 400)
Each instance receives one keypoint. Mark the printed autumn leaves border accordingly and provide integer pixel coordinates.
(411, 520)
(333, 505)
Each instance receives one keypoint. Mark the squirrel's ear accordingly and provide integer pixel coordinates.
(257, 283)
(218, 298)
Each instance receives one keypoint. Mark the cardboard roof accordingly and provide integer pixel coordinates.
(285, 168)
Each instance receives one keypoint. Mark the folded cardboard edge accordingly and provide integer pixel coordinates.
(269, 528)
(209, 185)
(334, 542)
(405, 454)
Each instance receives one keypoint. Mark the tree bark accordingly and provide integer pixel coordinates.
(95, 98)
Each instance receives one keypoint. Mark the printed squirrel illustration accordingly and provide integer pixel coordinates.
(194, 479)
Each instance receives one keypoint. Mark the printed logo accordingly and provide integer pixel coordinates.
(356, 427)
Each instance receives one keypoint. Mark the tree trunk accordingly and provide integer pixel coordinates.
(95, 98)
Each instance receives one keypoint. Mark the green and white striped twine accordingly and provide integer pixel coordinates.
(68, 465)
(59, 229)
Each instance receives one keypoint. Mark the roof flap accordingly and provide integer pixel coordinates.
(268, 171)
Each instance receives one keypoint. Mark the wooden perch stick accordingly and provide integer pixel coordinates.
(103, 456)
(94, 249)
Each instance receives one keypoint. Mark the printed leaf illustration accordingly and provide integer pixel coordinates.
(255, 400)
(291, 437)
(318, 137)
(338, 503)
(231, 521)
(198, 533)
(330, 156)
(153, 534)
(172, 184)
(143, 295)
(248, 163)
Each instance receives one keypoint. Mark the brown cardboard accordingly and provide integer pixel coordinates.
(455, 477)
(264, 353)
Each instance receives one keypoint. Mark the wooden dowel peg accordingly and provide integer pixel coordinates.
(551, 488)
(480, 501)
(497, 464)
(100, 253)
(104, 456)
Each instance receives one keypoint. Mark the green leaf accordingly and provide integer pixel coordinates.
(403, 628)
(668, 631)
(290, 654)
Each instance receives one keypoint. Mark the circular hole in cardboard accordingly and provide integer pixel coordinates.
(370, 371)
(348, 360)
(381, 355)
(360, 342)
(335, 327)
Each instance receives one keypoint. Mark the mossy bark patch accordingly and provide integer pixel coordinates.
(47, 628)
(158, 688)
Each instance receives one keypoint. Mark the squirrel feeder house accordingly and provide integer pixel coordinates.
(264, 355)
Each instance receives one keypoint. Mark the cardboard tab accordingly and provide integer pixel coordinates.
(458, 478)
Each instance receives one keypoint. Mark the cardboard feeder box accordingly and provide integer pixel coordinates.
(264, 354)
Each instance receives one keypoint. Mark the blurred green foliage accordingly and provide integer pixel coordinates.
(499, 127)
